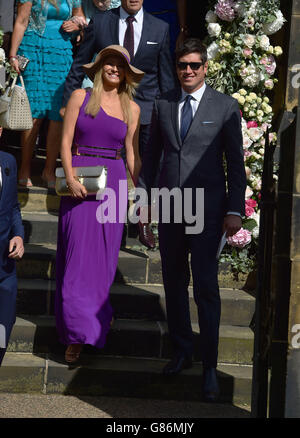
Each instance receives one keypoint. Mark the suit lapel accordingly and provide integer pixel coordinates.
(174, 117)
(146, 33)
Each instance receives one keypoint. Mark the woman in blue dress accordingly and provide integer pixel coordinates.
(174, 13)
(42, 32)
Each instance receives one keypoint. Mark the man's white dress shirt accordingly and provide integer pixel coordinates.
(137, 27)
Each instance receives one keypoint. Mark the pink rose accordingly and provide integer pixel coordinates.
(247, 53)
(240, 239)
(251, 203)
(252, 124)
(249, 211)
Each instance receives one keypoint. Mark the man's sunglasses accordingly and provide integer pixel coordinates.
(193, 65)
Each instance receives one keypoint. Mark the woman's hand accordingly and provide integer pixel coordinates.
(15, 64)
(70, 26)
(76, 189)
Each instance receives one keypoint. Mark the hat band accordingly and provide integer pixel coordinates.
(125, 56)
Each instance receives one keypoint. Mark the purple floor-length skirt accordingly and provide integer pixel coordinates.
(87, 251)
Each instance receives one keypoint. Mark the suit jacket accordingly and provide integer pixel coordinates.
(198, 160)
(10, 216)
(154, 59)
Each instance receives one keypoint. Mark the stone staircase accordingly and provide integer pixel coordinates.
(138, 344)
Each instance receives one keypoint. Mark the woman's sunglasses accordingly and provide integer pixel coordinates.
(193, 65)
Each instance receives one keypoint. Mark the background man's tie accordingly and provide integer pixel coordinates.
(186, 117)
(129, 37)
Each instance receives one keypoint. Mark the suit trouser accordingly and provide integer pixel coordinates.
(8, 294)
(175, 247)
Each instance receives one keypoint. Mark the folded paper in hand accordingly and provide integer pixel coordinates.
(221, 245)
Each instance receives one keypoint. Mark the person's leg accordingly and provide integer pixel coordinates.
(28, 141)
(53, 147)
(176, 277)
(206, 290)
(8, 295)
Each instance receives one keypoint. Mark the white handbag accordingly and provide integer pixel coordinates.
(15, 112)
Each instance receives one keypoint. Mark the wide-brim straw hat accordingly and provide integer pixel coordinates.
(93, 67)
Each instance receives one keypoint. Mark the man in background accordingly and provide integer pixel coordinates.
(11, 246)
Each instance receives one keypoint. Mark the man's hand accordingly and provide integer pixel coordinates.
(16, 248)
(232, 224)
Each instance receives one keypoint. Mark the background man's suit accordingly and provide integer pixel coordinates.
(196, 162)
(10, 226)
(152, 56)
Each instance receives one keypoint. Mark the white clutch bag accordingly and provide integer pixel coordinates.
(94, 179)
(15, 112)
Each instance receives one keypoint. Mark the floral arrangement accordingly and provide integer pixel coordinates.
(242, 63)
(4, 62)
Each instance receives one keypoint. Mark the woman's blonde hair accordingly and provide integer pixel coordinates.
(126, 92)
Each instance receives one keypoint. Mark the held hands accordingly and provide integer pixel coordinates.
(76, 189)
(16, 248)
(232, 224)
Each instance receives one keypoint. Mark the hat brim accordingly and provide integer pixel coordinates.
(93, 67)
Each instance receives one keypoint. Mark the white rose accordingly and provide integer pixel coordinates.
(214, 29)
(255, 231)
(211, 17)
(255, 133)
(247, 142)
(249, 40)
(2, 55)
(274, 26)
(264, 42)
(253, 8)
(212, 50)
(248, 193)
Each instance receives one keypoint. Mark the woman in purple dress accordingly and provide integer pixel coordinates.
(97, 125)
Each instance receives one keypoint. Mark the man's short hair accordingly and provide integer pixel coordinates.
(192, 45)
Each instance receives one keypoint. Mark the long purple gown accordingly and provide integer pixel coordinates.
(87, 251)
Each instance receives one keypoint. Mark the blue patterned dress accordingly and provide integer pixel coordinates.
(49, 50)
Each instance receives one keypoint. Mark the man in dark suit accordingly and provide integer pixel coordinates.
(195, 126)
(147, 40)
(11, 246)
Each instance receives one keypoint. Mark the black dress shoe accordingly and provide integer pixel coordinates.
(211, 389)
(177, 364)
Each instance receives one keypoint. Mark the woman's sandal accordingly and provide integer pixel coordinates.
(72, 353)
(25, 182)
(48, 183)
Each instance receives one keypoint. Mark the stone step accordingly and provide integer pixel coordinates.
(134, 267)
(119, 377)
(129, 337)
(38, 200)
(42, 227)
(141, 301)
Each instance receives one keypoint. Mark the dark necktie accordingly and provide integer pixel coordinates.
(186, 117)
(129, 36)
